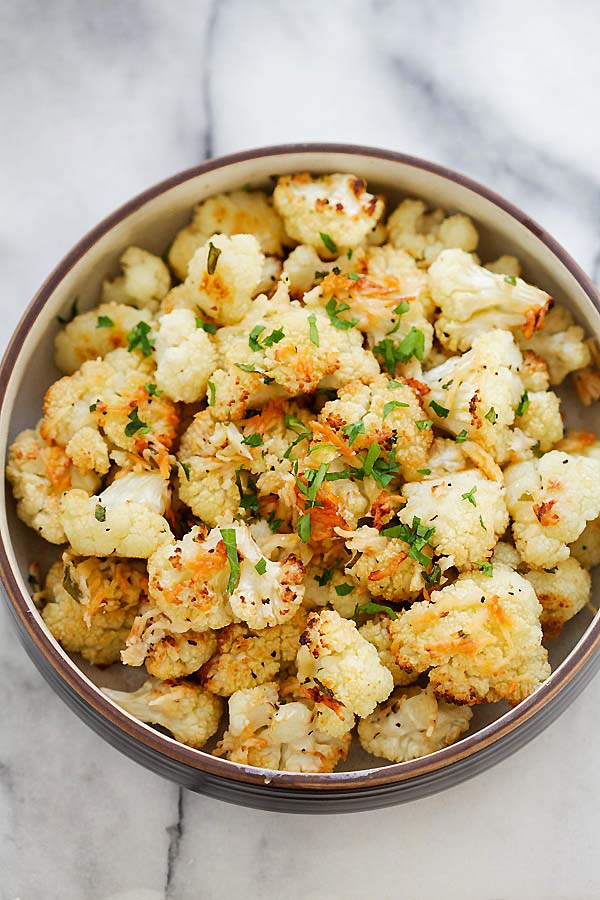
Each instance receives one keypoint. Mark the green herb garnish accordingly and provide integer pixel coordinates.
(438, 409)
(313, 331)
(369, 609)
(212, 259)
(253, 440)
(303, 527)
(470, 496)
(229, 539)
(334, 309)
(210, 327)
(100, 512)
(392, 404)
(352, 431)
(211, 393)
(491, 415)
(152, 390)
(135, 424)
(523, 404)
(138, 339)
(261, 566)
(328, 241)
(461, 437)
(486, 568)
(104, 322)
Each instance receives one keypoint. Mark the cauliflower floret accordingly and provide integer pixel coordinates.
(425, 235)
(476, 394)
(480, 637)
(283, 348)
(124, 520)
(88, 450)
(188, 581)
(550, 500)
(561, 344)
(223, 275)
(91, 604)
(412, 723)
(168, 650)
(326, 211)
(304, 268)
(39, 475)
(384, 567)
(376, 631)
(239, 212)
(185, 709)
(144, 281)
(586, 549)
(541, 419)
(466, 510)
(268, 731)
(563, 591)
(242, 659)
(473, 300)
(446, 457)
(185, 356)
(384, 412)
(96, 333)
(534, 372)
(337, 659)
(266, 593)
(505, 265)
(70, 403)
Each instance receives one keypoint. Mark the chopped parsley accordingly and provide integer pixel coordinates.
(353, 276)
(373, 454)
(399, 311)
(461, 437)
(70, 586)
(325, 577)
(212, 259)
(105, 322)
(438, 409)
(412, 344)
(152, 390)
(100, 512)
(486, 568)
(422, 424)
(261, 566)
(510, 279)
(342, 590)
(253, 337)
(135, 424)
(313, 331)
(416, 536)
(328, 241)
(211, 393)
(369, 609)
(392, 404)
(274, 523)
(276, 335)
(523, 404)
(248, 367)
(470, 496)
(482, 523)
(349, 253)
(424, 471)
(229, 539)
(253, 440)
(206, 326)
(491, 415)
(352, 431)
(186, 470)
(303, 527)
(334, 309)
(137, 339)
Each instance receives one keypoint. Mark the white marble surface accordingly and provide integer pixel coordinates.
(99, 100)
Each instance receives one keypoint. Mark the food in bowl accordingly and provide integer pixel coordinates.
(312, 465)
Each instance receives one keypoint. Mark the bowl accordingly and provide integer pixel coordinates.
(150, 220)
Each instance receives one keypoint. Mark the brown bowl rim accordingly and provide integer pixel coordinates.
(154, 740)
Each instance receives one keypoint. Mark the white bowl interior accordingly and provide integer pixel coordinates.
(153, 226)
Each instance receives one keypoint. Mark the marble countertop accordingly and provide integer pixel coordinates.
(99, 100)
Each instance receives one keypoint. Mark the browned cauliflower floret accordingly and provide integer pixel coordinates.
(550, 501)
(376, 631)
(242, 659)
(96, 333)
(538, 415)
(39, 475)
(185, 709)
(480, 637)
(239, 212)
(426, 234)
(335, 658)
(586, 549)
(383, 412)
(563, 591)
(412, 723)
(91, 604)
(223, 275)
(144, 281)
(166, 649)
(382, 565)
(270, 731)
(561, 344)
(329, 212)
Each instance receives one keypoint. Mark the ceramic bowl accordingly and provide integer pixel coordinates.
(150, 220)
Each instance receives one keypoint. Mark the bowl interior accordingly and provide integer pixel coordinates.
(151, 222)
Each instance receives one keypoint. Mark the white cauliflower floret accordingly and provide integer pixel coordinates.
(505, 265)
(550, 500)
(91, 604)
(586, 549)
(336, 206)
(185, 709)
(88, 449)
(446, 457)
(534, 372)
(188, 581)
(425, 235)
(383, 567)
(377, 632)
(239, 212)
(223, 275)
(384, 412)
(39, 475)
(269, 731)
(185, 356)
(473, 300)
(96, 333)
(561, 344)
(476, 394)
(124, 520)
(282, 348)
(266, 592)
(304, 268)
(336, 658)
(480, 637)
(412, 723)
(563, 591)
(70, 403)
(467, 511)
(144, 281)
(167, 649)
(540, 418)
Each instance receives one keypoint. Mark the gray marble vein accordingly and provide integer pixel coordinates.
(98, 100)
